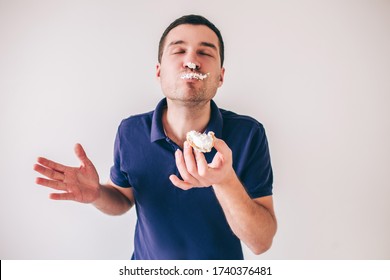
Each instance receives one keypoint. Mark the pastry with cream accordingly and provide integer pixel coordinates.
(201, 142)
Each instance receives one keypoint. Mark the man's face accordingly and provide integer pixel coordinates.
(186, 46)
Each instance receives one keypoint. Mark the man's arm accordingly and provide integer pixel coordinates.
(81, 184)
(114, 200)
(252, 220)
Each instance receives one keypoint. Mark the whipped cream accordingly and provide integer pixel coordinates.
(191, 65)
(201, 142)
(197, 76)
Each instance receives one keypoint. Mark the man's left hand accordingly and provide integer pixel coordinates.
(195, 170)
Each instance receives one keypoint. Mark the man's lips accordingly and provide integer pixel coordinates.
(194, 76)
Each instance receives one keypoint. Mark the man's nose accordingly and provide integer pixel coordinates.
(191, 65)
(191, 62)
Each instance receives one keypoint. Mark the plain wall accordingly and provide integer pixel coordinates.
(315, 73)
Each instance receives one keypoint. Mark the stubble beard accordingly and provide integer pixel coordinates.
(191, 94)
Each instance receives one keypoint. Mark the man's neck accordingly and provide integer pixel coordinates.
(178, 119)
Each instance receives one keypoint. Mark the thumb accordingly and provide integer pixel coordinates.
(223, 155)
(80, 153)
(221, 147)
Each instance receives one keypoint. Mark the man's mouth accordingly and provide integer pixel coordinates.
(193, 75)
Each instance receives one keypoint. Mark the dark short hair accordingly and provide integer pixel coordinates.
(194, 20)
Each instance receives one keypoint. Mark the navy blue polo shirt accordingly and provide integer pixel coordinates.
(177, 224)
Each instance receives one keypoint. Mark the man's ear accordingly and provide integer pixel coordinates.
(221, 77)
(158, 71)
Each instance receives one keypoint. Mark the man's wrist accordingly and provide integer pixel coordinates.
(230, 179)
(99, 195)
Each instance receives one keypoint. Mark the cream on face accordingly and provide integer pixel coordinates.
(197, 76)
(191, 65)
(193, 75)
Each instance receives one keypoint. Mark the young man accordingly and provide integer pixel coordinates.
(190, 205)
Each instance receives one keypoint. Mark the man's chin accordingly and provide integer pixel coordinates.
(189, 101)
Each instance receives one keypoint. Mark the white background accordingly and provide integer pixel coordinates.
(315, 73)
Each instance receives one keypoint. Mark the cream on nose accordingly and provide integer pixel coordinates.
(191, 65)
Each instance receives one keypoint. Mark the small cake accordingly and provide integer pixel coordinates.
(201, 142)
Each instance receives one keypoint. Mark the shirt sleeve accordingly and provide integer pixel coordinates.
(257, 176)
(118, 176)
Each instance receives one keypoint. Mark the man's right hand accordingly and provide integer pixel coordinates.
(80, 184)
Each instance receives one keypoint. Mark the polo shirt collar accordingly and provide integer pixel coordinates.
(216, 122)
(157, 130)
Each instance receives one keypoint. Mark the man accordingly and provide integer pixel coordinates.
(190, 205)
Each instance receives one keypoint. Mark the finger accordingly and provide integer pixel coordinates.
(201, 163)
(223, 155)
(180, 183)
(217, 161)
(221, 146)
(62, 196)
(51, 184)
(189, 160)
(81, 155)
(182, 168)
(50, 173)
(51, 164)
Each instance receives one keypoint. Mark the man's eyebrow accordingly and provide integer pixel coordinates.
(204, 44)
(173, 43)
(210, 45)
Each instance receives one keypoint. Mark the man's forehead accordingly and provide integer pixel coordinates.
(190, 34)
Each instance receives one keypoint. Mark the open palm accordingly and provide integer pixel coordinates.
(76, 183)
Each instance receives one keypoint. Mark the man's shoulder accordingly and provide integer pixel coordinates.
(234, 119)
(142, 118)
